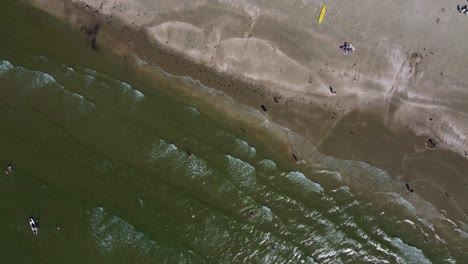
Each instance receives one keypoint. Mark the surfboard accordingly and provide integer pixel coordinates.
(33, 226)
(322, 14)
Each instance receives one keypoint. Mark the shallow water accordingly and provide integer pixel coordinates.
(118, 172)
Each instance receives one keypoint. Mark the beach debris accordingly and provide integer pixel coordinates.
(294, 156)
(243, 130)
(408, 188)
(432, 143)
(189, 154)
(446, 194)
(9, 169)
(264, 108)
(346, 48)
(462, 9)
(322, 14)
(332, 91)
(351, 132)
(275, 99)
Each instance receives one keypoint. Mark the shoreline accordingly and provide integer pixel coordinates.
(364, 124)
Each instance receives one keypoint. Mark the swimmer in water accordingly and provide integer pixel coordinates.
(9, 169)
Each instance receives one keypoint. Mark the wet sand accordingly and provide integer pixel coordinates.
(403, 85)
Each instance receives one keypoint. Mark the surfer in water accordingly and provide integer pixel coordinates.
(34, 225)
(9, 169)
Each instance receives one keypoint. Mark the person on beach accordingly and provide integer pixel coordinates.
(347, 48)
(9, 169)
(463, 9)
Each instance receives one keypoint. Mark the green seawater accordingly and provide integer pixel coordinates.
(116, 171)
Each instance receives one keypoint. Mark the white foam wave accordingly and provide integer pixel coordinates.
(244, 148)
(112, 232)
(37, 78)
(43, 79)
(267, 214)
(5, 66)
(241, 171)
(398, 200)
(267, 165)
(336, 175)
(90, 72)
(131, 92)
(300, 180)
(240, 147)
(69, 70)
(411, 223)
(141, 203)
(42, 58)
(160, 149)
(198, 167)
(450, 222)
(310, 260)
(194, 110)
(408, 254)
(78, 101)
(462, 234)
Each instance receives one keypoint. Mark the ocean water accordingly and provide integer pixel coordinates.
(117, 171)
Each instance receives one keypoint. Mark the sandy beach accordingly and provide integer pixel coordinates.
(405, 83)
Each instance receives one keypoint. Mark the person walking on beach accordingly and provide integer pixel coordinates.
(9, 169)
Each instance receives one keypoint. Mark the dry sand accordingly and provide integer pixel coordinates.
(405, 83)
